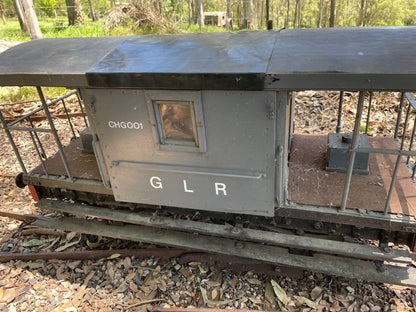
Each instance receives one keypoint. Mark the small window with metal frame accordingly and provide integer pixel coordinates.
(178, 122)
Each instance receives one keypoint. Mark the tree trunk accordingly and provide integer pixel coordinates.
(259, 14)
(189, 12)
(3, 17)
(112, 4)
(287, 14)
(332, 14)
(267, 10)
(92, 13)
(20, 16)
(321, 10)
(252, 14)
(74, 10)
(360, 21)
(201, 20)
(229, 15)
(277, 16)
(247, 14)
(239, 14)
(194, 11)
(300, 13)
(295, 17)
(31, 19)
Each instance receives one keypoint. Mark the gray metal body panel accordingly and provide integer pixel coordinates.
(240, 152)
(380, 58)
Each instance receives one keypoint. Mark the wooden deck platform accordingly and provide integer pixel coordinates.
(310, 183)
(82, 165)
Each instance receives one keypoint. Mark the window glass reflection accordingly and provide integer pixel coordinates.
(177, 121)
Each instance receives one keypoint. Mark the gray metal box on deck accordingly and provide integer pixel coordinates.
(338, 153)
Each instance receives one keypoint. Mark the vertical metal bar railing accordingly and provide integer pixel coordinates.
(69, 119)
(353, 147)
(411, 139)
(414, 172)
(54, 132)
(399, 116)
(44, 156)
(81, 108)
(403, 151)
(396, 167)
(368, 112)
(38, 153)
(33, 131)
(341, 98)
(412, 102)
(13, 144)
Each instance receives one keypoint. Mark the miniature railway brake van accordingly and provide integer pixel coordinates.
(181, 129)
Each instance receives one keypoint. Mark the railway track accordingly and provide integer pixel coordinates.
(350, 260)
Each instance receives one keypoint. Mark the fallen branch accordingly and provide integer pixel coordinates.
(142, 303)
(43, 231)
(19, 216)
(164, 253)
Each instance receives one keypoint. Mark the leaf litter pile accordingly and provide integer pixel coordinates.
(117, 283)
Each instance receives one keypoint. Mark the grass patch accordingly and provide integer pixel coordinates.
(17, 94)
(57, 27)
(51, 28)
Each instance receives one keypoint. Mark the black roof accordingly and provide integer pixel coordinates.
(381, 58)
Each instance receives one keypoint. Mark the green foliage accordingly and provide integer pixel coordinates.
(52, 28)
(347, 13)
(14, 94)
(47, 7)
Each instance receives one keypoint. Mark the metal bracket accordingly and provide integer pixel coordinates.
(100, 168)
(91, 102)
(271, 114)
